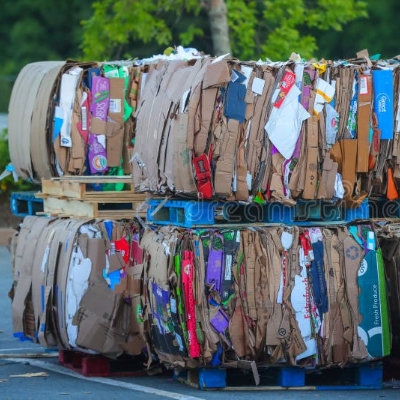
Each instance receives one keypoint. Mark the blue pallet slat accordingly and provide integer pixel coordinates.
(212, 378)
(181, 213)
(291, 377)
(191, 213)
(361, 212)
(370, 375)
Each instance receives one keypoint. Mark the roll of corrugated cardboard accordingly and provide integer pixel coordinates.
(28, 120)
(41, 128)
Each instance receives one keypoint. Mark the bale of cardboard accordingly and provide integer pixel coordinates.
(270, 296)
(74, 285)
(76, 119)
(270, 131)
(389, 238)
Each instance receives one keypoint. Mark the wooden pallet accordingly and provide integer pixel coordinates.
(359, 377)
(72, 196)
(78, 187)
(105, 208)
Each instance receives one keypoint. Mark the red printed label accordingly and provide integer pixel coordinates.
(286, 84)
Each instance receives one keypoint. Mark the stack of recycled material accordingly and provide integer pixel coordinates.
(74, 287)
(269, 131)
(75, 119)
(214, 127)
(269, 296)
(211, 128)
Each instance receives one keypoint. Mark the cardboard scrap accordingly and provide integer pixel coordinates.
(30, 375)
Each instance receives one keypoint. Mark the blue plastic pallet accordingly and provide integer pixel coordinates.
(192, 213)
(384, 208)
(185, 213)
(354, 377)
(25, 203)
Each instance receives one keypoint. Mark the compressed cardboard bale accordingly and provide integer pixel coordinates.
(307, 109)
(71, 287)
(50, 118)
(293, 296)
(389, 240)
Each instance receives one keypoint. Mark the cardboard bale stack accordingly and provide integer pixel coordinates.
(208, 127)
(223, 129)
(211, 128)
(301, 296)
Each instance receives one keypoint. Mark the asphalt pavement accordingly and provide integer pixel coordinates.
(28, 371)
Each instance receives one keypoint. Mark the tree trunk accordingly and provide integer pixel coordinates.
(218, 17)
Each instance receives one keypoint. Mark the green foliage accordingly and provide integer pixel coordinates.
(377, 34)
(46, 30)
(37, 30)
(109, 32)
(279, 27)
(243, 24)
(7, 185)
(258, 28)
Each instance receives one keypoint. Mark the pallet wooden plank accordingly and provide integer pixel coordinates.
(70, 207)
(71, 187)
(62, 188)
(120, 214)
(125, 209)
(116, 197)
(95, 178)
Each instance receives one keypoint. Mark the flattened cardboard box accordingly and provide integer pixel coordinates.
(27, 246)
(364, 122)
(100, 329)
(374, 326)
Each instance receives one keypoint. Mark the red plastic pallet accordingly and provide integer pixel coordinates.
(98, 365)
